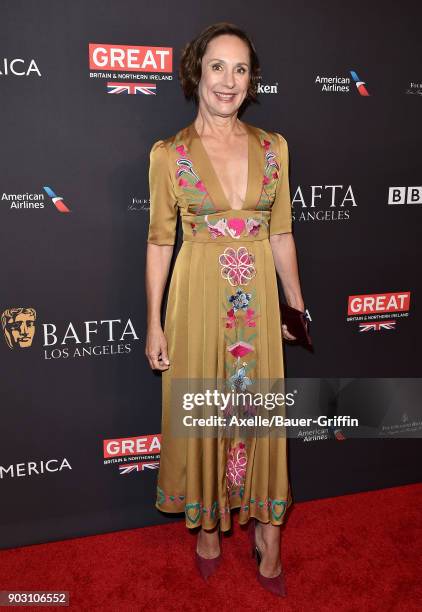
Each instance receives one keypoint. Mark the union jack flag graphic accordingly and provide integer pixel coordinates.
(127, 468)
(148, 89)
(377, 326)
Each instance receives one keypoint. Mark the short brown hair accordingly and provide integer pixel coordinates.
(190, 68)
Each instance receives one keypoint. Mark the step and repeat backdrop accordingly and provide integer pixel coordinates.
(86, 88)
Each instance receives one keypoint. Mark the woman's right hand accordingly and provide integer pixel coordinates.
(156, 349)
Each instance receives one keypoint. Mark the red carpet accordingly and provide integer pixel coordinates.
(359, 552)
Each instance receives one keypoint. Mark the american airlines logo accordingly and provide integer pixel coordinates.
(32, 201)
(405, 195)
(342, 84)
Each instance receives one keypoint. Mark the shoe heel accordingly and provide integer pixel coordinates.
(251, 534)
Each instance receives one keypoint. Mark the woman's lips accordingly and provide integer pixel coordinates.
(224, 97)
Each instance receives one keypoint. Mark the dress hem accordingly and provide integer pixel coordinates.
(227, 524)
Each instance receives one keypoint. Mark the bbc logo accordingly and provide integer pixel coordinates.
(405, 195)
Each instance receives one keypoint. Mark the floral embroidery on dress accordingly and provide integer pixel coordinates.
(185, 166)
(234, 227)
(236, 465)
(270, 161)
(218, 228)
(240, 303)
(239, 381)
(238, 269)
(240, 300)
(250, 318)
(200, 202)
(230, 319)
(246, 409)
(191, 183)
(195, 510)
(252, 226)
(240, 348)
(270, 177)
(237, 266)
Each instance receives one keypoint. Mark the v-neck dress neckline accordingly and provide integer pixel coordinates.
(209, 175)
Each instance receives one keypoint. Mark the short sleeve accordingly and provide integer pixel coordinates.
(163, 202)
(281, 210)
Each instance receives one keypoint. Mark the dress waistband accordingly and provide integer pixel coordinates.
(243, 226)
(224, 239)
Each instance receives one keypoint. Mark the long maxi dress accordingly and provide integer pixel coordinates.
(222, 322)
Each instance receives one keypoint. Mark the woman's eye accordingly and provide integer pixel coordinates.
(241, 69)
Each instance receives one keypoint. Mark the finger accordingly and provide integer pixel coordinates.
(164, 356)
(287, 334)
(156, 365)
(163, 364)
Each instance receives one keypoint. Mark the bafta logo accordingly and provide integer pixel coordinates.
(18, 326)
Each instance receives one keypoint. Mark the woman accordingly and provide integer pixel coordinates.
(229, 180)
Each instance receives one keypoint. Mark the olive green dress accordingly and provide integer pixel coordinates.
(222, 322)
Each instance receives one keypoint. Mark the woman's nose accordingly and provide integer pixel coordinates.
(229, 78)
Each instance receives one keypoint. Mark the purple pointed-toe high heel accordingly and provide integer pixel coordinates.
(205, 566)
(275, 585)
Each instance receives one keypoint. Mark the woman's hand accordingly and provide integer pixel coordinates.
(285, 332)
(156, 272)
(156, 349)
(285, 260)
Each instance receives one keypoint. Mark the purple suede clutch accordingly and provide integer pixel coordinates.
(297, 325)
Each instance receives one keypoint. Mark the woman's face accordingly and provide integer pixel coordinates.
(225, 75)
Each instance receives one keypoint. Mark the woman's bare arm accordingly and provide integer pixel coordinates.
(157, 268)
(285, 260)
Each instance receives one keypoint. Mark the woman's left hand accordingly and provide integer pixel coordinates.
(285, 332)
